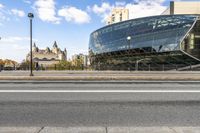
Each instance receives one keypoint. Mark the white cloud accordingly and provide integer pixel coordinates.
(105, 7)
(3, 14)
(46, 11)
(27, 1)
(1, 6)
(3, 17)
(18, 47)
(14, 39)
(120, 3)
(145, 8)
(16, 52)
(103, 11)
(17, 12)
(72, 14)
(139, 8)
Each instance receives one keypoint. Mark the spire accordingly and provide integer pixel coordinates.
(34, 45)
(47, 50)
(35, 48)
(55, 45)
(65, 52)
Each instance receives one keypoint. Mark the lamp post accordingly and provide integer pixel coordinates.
(31, 16)
(137, 63)
(129, 47)
(0, 64)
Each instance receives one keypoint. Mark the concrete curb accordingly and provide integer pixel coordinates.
(95, 78)
(99, 129)
(96, 82)
(74, 130)
(19, 129)
(153, 130)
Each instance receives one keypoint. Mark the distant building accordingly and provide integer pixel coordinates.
(80, 59)
(46, 57)
(8, 64)
(118, 15)
(86, 61)
(77, 59)
(187, 7)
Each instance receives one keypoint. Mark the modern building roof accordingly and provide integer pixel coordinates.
(155, 35)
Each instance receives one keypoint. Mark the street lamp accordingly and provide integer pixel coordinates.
(129, 47)
(31, 16)
(0, 64)
(138, 61)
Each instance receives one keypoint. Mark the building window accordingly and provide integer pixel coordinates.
(113, 19)
(191, 41)
(120, 16)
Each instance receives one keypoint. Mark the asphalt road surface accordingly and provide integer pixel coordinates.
(99, 104)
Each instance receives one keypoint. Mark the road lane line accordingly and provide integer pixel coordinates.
(99, 91)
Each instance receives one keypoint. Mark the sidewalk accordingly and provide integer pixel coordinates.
(99, 129)
(100, 75)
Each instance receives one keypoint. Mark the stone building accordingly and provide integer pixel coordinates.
(77, 59)
(118, 15)
(47, 57)
(80, 59)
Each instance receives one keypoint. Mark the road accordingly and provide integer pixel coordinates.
(24, 104)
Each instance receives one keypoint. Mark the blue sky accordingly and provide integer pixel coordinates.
(69, 22)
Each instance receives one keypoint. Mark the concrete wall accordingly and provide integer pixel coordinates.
(185, 7)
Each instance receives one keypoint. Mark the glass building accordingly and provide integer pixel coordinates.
(152, 43)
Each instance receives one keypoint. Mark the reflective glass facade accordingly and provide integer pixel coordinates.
(150, 36)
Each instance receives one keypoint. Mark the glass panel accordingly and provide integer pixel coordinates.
(191, 43)
(159, 33)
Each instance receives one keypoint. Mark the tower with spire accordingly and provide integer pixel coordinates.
(48, 56)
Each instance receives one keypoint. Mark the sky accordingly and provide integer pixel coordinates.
(69, 22)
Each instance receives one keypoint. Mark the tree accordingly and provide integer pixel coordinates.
(2, 62)
(63, 65)
(24, 65)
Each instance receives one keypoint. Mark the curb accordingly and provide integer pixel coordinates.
(103, 78)
(96, 82)
(100, 129)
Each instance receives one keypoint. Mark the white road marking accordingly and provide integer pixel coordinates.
(99, 91)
